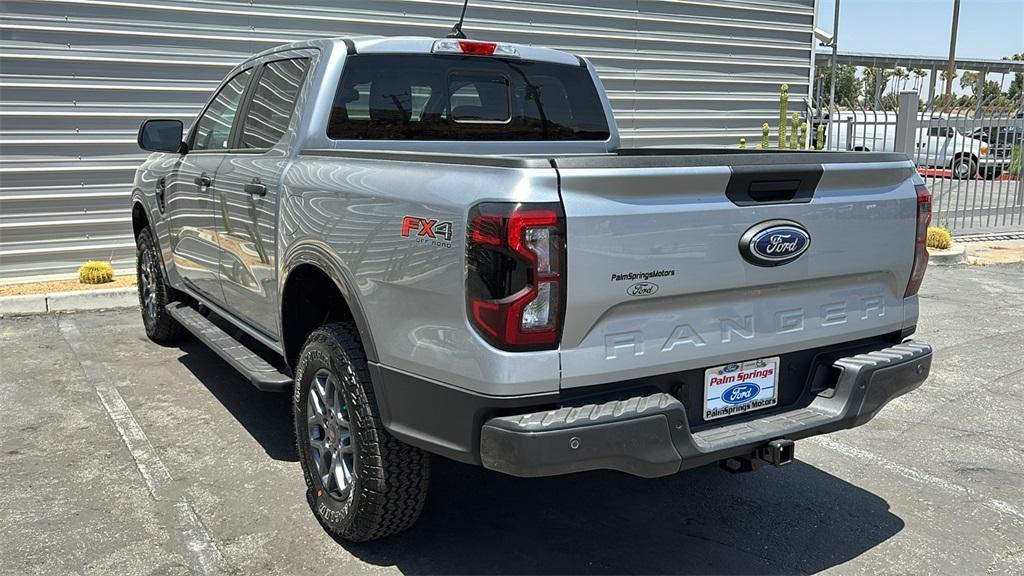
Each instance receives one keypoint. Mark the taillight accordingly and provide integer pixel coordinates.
(515, 283)
(924, 219)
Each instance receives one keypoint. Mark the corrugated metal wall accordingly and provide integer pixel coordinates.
(78, 76)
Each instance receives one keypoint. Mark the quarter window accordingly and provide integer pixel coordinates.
(273, 102)
(213, 129)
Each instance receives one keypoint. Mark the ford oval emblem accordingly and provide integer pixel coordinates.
(740, 393)
(774, 242)
(642, 289)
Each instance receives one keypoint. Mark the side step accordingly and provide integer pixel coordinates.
(251, 365)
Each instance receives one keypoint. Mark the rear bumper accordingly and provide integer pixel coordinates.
(650, 436)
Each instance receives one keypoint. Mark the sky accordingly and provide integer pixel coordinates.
(988, 28)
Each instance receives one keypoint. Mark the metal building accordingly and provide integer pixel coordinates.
(78, 76)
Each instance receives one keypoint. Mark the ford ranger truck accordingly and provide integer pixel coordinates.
(439, 247)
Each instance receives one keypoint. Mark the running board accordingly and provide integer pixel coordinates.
(251, 365)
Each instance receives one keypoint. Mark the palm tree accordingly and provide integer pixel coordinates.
(918, 78)
(900, 75)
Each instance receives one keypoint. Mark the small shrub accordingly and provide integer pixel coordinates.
(939, 238)
(1015, 161)
(96, 273)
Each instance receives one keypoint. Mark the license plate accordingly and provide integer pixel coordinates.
(741, 387)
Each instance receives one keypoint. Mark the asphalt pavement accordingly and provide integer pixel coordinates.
(121, 457)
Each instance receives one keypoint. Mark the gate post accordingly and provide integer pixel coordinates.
(906, 123)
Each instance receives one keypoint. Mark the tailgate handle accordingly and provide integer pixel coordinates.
(751, 185)
(773, 190)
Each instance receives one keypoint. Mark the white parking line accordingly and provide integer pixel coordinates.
(146, 460)
(916, 475)
(201, 549)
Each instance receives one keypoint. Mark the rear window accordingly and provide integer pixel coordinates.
(433, 97)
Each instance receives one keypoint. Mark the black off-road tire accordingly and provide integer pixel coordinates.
(390, 478)
(160, 326)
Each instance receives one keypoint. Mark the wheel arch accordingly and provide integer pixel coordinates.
(960, 154)
(312, 276)
(140, 218)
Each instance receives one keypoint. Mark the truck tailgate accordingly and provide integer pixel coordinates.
(657, 284)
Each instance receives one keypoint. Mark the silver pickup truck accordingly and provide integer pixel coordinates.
(440, 248)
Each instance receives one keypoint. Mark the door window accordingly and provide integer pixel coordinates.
(273, 102)
(213, 129)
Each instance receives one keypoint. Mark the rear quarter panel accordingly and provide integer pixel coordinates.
(411, 287)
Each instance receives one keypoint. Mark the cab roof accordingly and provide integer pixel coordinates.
(415, 45)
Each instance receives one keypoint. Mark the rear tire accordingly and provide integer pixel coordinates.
(154, 293)
(964, 168)
(362, 483)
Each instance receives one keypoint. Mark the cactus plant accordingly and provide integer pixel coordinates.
(819, 142)
(783, 109)
(93, 272)
(939, 238)
(765, 129)
(803, 135)
(743, 143)
(794, 129)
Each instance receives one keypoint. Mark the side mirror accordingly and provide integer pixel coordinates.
(162, 136)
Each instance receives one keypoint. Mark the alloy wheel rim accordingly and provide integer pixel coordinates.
(330, 439)
(148, 281)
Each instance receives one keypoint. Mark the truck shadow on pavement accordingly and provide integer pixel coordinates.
(266, 416)
(798, 519)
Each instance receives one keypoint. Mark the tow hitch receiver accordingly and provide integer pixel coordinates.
(777, 453)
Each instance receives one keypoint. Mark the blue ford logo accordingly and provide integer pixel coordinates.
(774, 242)
(740, 393)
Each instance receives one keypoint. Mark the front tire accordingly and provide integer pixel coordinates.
(964, 168)
(154, 293)
(362, 483)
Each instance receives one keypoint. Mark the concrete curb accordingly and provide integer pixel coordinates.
(73, 301)
(956, 254)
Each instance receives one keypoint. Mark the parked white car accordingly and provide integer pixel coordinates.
(938, 147)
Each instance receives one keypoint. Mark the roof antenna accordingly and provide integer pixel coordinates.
(456, 31)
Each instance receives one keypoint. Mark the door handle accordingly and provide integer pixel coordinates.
(256, 189)
(203, 181)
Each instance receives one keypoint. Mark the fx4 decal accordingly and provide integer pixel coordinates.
(428, 230)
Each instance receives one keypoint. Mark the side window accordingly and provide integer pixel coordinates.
(213, 129)
(273, 101)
